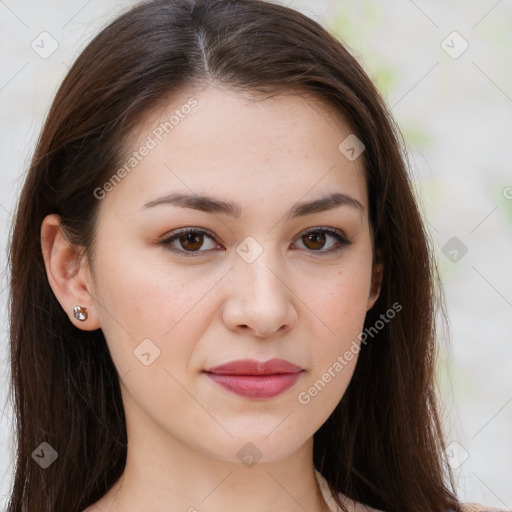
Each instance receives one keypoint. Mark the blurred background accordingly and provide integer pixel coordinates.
(445, 71)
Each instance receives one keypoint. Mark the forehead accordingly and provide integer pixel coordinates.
(238, 146)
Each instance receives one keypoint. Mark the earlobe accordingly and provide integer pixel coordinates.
(68, 274)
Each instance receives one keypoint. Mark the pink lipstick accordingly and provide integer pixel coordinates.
(256, 379)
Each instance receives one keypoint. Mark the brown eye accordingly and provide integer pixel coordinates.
(323, 241)
(314, 241)
(191, 241)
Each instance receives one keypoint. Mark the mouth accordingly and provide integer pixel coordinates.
(256, 379)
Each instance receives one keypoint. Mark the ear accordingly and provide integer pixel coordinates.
(376, 284)
(68, 273)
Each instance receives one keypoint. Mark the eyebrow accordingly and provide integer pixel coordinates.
(212, 205)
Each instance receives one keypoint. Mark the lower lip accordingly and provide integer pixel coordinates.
(256, 386)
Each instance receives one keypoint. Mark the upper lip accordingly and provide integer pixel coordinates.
(252, 367)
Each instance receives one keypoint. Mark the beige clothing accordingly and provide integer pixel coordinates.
(359, 507)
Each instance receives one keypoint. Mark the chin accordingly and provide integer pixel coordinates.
(255, 448)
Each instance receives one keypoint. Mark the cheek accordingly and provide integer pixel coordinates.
(149, 300)
(340, 306)
(340, 301)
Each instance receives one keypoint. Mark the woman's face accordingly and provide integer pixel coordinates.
(267, 199)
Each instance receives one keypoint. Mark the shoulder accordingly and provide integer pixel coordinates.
(476, 507)
(333, 507)
(359, 507)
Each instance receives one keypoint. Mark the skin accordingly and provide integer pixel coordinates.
(295, 301)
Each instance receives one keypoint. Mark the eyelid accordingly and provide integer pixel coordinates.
(190, 229)
(325, 229)
(342, 240)
(166, 242)
(339, 236)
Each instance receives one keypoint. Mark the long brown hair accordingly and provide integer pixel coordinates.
(383, 443)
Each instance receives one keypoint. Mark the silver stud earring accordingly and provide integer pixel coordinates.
(80, 313)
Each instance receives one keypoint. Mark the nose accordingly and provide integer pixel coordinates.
(260, 299)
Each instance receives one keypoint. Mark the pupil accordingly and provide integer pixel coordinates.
(318, 240)
(192, 241)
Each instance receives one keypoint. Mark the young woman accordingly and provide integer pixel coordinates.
(223, 296)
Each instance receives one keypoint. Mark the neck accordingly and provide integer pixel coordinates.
(162, 473)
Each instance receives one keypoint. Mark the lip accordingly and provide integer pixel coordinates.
(252, 367)
(256, 379)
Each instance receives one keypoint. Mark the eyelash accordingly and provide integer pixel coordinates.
(341, 240)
